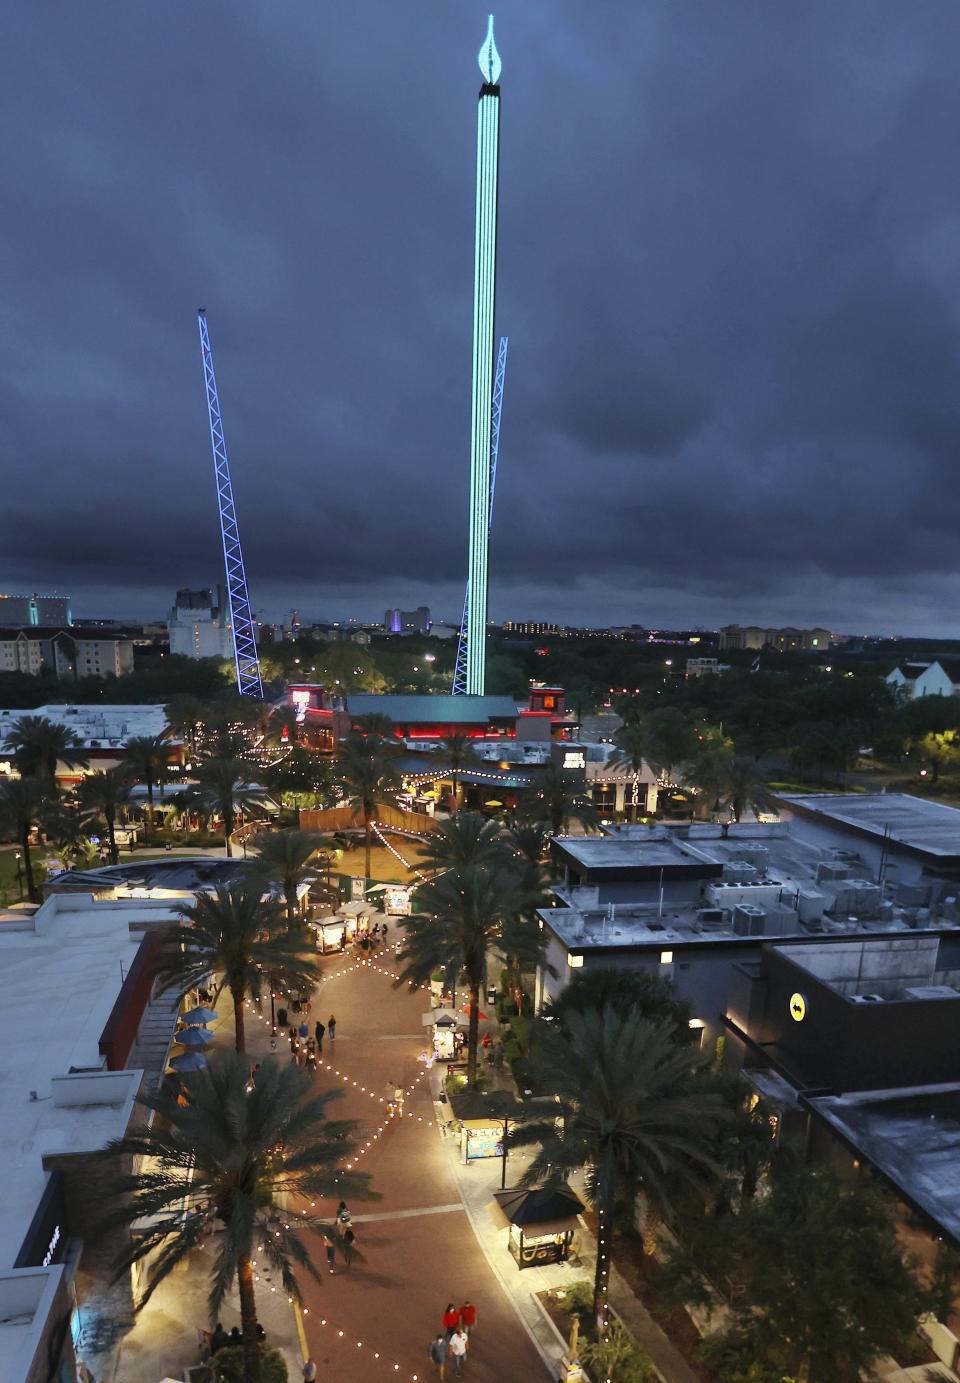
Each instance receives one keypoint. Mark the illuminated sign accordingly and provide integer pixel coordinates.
(301, 703)
(574, 758)
(798, 1007)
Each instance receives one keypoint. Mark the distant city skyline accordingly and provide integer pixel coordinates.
(726, 264)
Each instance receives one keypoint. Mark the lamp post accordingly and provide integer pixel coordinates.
(19, 859)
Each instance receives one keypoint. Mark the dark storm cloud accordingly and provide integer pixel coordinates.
(729, 269)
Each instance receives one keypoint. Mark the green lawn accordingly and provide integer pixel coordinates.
(9, 892)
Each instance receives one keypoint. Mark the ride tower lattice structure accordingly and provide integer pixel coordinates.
(460, 668)
(241, 616)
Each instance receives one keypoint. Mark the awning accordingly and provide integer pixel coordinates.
(541, 1209)
(445, 1017)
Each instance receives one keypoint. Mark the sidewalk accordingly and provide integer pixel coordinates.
(477, 1182)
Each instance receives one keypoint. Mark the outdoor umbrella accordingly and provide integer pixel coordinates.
(199, 1016)
(483, 1017)
(193, 1037)
(188, 1061)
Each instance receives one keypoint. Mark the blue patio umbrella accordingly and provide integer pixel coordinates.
(188, 1061)
(193, 1037)
(199, 1016)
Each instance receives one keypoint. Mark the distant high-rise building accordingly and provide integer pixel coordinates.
(19, 610)
(198, 627)
(407, 621)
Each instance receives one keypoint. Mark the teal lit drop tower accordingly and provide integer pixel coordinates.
(481, 411)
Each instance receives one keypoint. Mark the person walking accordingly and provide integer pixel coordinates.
(318, 1031)
(437, 1353)
(458, 1348)
(331, 1254)
(468, 1317)
(398, 1099)
(309, 1372)
(451, 1319)
(303, 1032)
(349, 1240)
(332, 1028)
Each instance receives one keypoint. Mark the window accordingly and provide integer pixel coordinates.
(574, 962)
(666, 957)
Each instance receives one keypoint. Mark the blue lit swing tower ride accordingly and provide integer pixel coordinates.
(460, 668)
(481, 408)
(241, 616)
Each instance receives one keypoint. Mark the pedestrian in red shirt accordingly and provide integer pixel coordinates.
(468, 1316)
(451, 1319)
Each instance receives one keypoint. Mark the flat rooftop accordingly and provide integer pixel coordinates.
(599, 854)
(920, 826)
(97, 726)
(911, 1137)
(626, 924)
(433, 710)
(59, 986)
(177, 875)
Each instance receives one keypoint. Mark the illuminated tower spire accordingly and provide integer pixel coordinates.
(484, 296)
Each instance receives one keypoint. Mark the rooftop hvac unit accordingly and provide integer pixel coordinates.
(749, 920)
(830, 873)
(710, 919)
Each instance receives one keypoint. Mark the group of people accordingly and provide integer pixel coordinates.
(219, 1338)
(305, 1049)
(370, 940)
(453, 1341)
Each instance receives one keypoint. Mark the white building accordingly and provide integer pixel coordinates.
(73, 1052)
(941, 678)
(200, 628)
(103, 731)
(71, 653)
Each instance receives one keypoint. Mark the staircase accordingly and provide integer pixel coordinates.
(154, 1037)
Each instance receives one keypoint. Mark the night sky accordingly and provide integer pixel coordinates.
(729, 269)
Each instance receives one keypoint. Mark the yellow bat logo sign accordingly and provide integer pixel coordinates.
(798, 1008)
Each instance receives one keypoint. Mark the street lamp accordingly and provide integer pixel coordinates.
(19, 858)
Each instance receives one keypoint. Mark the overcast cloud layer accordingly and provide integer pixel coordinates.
(729, 270)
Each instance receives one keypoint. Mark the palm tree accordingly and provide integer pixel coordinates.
(465, 839)
(466, 910)
(237, 935)
(284, 858)
(225, 786)
(147, 761)
(184, 714)
(637, 993)
(744, 786)
(528, 841)
(558, 798)
(284, 726)
(104, 794)
(456, 753)
(368, 778)
(631, 747)
(634, 1109)
(375, 724)
(234, 1168)
(39, 744)
(23, 804)
(706, 770)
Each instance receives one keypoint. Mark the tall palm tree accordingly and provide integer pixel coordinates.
(375, 724)
(465, 911)
(631, 747)
(105, 794)
(528, 840)
(23, 804)
(466, 839)
(284, 858)
(744, 786)
(147, 761)
(226, 786)
(284, 726)
(240, 937)
(39, 744)
(185, 713)
(368, 778)
(234, 1168)
(634, 1108)
(456, 753)
(559, 798)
